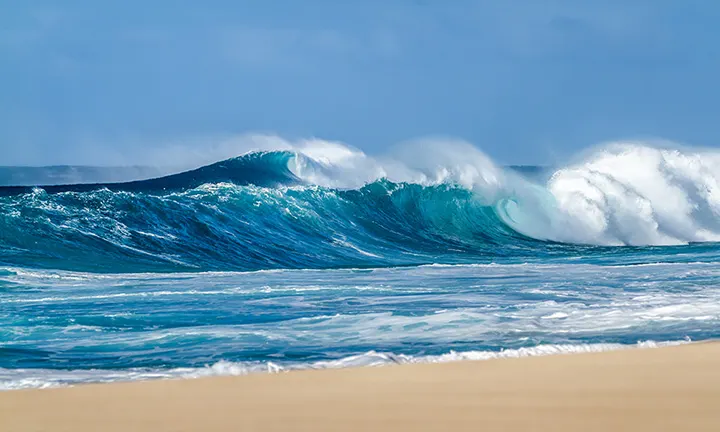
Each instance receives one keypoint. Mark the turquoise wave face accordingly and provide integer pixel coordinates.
(231, 227)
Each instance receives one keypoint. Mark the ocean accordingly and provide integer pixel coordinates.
(321, 256)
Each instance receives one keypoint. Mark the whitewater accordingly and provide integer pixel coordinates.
(313, 254)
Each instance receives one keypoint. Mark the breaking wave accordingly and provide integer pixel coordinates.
(318, 204)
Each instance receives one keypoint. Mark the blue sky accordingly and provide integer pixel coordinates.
(527, 81)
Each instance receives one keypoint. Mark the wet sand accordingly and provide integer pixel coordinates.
(659, 389)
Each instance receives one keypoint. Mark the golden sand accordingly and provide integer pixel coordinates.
(661, 389)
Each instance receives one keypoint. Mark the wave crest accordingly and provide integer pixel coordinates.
(318, 204)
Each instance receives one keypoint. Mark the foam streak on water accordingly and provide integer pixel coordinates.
(108, 327)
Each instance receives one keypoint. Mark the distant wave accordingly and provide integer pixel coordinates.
(259, 169)
(326, 205)
(65, 174)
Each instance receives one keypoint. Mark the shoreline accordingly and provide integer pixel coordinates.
(666, 388)
(51, 378)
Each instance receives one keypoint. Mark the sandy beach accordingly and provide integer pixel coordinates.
(673, 388)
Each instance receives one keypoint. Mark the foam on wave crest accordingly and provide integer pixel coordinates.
(635, 194)
(622, 194)
(425, 162)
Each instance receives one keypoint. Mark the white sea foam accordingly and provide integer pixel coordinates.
(12, 379)
(626, 193)
(635, 194)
